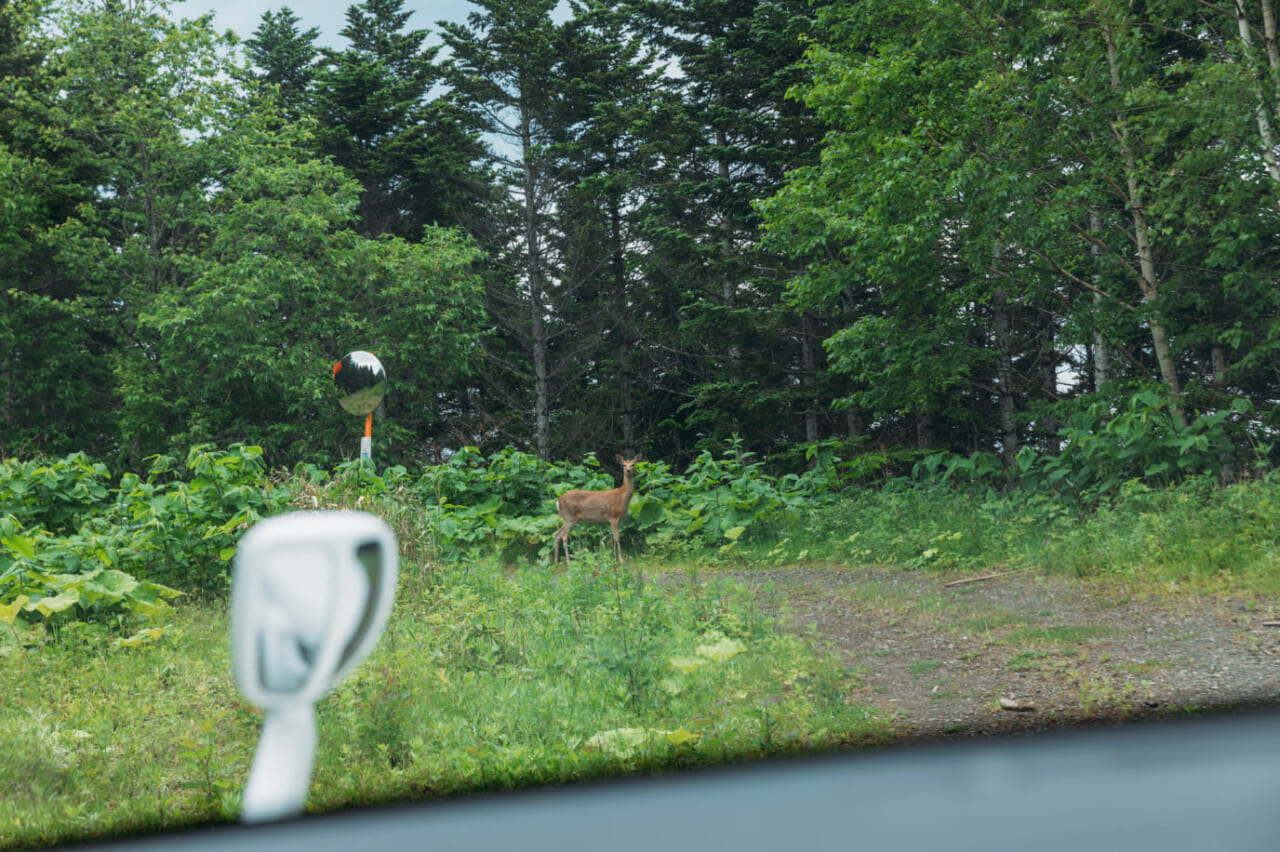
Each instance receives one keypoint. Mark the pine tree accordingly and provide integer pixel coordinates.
(415, 156)
(607, 122)
(503, 68)
(746, 358)
(286, 59)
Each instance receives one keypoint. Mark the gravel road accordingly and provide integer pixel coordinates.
(1022, 651)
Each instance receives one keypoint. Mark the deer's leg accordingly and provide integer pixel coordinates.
(617, 542)
(562, 538)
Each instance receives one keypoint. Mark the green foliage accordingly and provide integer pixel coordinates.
(1195, 531)
(967, 222)
(193, 267)
(1102, 449)
(39, 605)
(111, 739)
(507, 502)
(177, 527)
(284, 280)
(505, 679)
(284, 57)
(116, 556)
(486, 679)
(378, 118)
(720, 503)
(1144, 440)
(182, 529)
(53, 494)
(494, 677)
(504, 502)
(977, 205)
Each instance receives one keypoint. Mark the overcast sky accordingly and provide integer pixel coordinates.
(243, 16)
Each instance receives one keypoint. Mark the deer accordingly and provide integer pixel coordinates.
(596, 507)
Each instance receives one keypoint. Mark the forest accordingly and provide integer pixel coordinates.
(977, 233)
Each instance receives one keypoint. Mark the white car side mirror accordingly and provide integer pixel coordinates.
(310, 595)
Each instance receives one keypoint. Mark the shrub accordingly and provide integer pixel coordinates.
(94, 554)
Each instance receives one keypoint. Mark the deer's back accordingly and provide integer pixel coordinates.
(592, 506)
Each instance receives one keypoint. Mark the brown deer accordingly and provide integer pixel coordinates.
(596, 507)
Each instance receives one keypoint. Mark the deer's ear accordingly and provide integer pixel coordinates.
(639, 457)
(619, 458)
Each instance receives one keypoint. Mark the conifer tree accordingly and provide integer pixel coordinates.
(415, 155)
(285, 57)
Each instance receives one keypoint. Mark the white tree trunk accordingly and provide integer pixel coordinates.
(1148, 278)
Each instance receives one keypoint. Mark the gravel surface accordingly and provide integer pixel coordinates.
(1024, 651)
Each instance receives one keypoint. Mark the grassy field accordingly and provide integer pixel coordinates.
(487, 677)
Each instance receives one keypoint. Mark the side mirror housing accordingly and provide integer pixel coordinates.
(310, 595)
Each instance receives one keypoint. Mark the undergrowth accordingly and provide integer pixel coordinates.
(1196, 532)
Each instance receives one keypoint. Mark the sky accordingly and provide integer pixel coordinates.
(243, 16)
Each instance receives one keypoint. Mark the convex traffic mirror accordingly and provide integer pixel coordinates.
(361, 382)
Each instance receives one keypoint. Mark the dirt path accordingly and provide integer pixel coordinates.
(1025, 651)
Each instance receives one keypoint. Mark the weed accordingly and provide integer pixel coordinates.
(1027, 660)
(213, 779)
(924, 667)
(1144, 667)
(1096, 695)
(1062, 635)
(988, 623)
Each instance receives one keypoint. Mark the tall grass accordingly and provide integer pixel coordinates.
(1196, 532)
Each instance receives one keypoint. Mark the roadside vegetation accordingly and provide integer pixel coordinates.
(498, 670)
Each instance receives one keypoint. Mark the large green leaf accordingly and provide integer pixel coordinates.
(21, 545)
(59, 602)
(9, 611)
(111, 582)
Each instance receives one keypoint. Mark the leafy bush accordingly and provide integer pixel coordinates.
(52, 495)
(503, 503)
(506, 503)
(47, 583)
(1143, 440)
(718, 502)
(184, 531)
(1102, 449)
(115, 556)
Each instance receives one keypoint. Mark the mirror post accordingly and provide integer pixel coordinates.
(281, 773)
